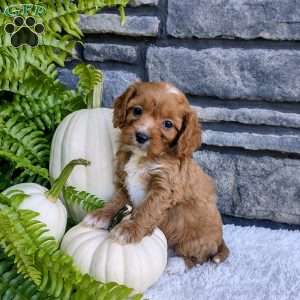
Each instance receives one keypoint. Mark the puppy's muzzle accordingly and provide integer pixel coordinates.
(141, 137)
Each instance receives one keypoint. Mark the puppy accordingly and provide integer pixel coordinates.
(155, 173)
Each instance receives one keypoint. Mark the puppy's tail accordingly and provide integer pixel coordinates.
(222, 254)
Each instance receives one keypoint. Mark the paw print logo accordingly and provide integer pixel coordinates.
(24, 31)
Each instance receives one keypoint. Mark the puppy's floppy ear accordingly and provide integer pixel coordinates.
(120, 107)
(190, 136)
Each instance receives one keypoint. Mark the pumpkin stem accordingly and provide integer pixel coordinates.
(59, 183)
(96, 99)
(119, 216)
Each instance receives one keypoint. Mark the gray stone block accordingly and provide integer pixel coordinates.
(143, 2)
(257, 116)
(252, 74)
(224, 172)
(115, 83)
(275, 20)
(114, 52)
(253, 141)
(110, 24)
(255, 187)
(67, 78)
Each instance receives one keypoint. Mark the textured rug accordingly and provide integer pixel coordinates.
(264, 264)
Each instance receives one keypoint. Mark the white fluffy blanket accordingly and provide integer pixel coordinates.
(264, 264)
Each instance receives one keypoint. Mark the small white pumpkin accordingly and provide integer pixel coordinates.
(51, 210)
(137, 265)
(87, 133)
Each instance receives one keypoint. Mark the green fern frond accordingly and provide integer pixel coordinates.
(14, 286)
(52, 49)
(15, 63)
(46, 113)
(28, 176)
(85, 200)
(34, 85)
(24, 163)
(12, 198)
(38, 258)
(4, 200)
(17, 243)
(39, 99)
(7, 56)
(63, 16)
(36, 64)
(91, 7)
(89, 77)
(56, 50)
(89, 290)
(24, 140)
(6, 173)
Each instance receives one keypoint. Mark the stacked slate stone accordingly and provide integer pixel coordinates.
(239, 63)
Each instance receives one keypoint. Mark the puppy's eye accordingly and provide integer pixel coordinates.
(167, 124)
(137, 111)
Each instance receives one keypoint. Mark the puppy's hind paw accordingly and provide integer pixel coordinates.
(216, 260)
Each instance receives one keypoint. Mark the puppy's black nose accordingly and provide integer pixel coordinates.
(141, 137)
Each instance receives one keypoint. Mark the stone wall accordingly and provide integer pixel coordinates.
(239, 63)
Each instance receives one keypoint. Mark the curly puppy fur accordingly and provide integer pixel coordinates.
(159, 178)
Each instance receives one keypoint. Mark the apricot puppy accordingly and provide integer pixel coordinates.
(156, 174)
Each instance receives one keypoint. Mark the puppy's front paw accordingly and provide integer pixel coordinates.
(126, 232)
(97, 220)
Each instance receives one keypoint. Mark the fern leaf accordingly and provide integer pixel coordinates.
(20, 139)
(89, 77)
(35, 86)
(39, 99)
(14, 286)
(14, 62)
(17, 243)
(12, 198)
(52, 49)
(27, 176)
(85, 200)
(91, 7)
(4, 200)
(56, 50)
(38, 258)
(6, 172)
(24, 163)
(9, 62)
(45, 113)
(63, 16)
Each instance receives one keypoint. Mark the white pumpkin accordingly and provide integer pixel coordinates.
(89, 134)
(137, 265)
(51, 210)
(51, 213)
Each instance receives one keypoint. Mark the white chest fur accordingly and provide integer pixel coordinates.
(136, 180)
